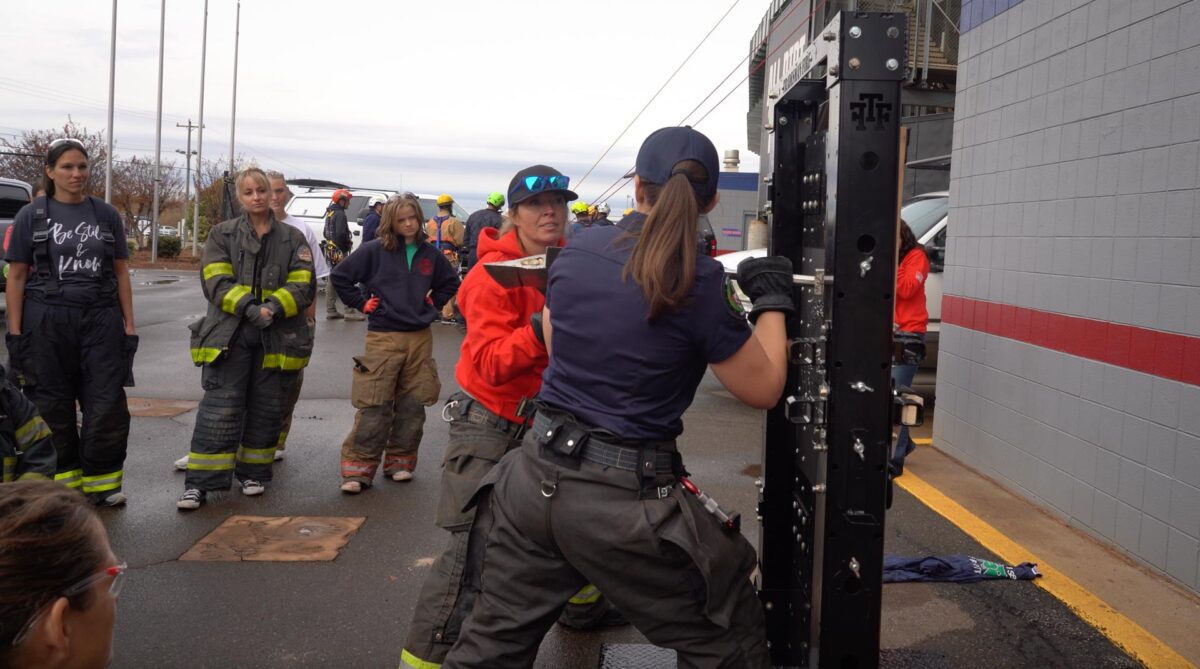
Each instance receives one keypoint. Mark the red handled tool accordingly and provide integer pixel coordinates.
(732, 521)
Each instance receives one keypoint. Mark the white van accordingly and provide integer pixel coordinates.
(309, 204)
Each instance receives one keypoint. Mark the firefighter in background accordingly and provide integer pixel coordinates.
(71, 336)
(488, 217)
(26, 449)
(448, 235)
(602, 211)
(280, 194)
(583, 218)
(257, 275)
(396, 377)
(337, 245)
(371, 223)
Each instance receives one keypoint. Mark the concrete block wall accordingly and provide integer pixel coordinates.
(1069, 364)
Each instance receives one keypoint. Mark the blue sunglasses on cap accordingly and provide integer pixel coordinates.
(536, 184)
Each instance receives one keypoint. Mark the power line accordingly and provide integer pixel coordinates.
(660, 90)
(621, 182)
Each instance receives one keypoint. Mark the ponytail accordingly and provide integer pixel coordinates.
(663, 262)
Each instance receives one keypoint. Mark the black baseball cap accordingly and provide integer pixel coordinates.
(538, 179)
(667, 147)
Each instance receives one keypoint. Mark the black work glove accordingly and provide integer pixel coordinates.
(768, 284)
(129, 350)
(535, 320)
(17, 355)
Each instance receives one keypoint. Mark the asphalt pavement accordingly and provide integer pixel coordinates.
(354, 611)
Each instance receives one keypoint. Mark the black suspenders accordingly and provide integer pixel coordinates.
(44, 267)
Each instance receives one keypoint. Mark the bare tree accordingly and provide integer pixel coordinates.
(215, 206)
(24, 158)
(133, 193)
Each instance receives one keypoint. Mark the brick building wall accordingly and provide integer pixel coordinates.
(1069, 365)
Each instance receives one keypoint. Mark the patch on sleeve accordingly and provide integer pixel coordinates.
(304, 253)
(733, 299)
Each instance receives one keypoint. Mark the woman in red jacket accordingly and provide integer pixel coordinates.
(911, 319)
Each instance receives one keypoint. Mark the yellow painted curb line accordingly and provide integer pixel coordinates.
(1125, 633)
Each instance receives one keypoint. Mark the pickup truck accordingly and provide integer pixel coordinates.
(13, 195)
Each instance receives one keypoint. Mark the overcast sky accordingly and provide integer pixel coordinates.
(429, 96)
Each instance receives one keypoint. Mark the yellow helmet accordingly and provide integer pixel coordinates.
(444, 200)
(579, 207)
(592, 211)
(628, 211)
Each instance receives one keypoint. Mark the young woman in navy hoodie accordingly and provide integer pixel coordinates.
(401, 283)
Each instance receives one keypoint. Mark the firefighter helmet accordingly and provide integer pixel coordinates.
(340, 194)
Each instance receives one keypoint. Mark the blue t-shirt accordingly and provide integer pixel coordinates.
(76, 247)
(612, 368)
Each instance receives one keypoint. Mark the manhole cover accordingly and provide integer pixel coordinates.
(275, 539)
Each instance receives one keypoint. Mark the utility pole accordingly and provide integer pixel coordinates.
(162, 34)
(187, 184)
(237, 31)
(112, 83)
(200, 134)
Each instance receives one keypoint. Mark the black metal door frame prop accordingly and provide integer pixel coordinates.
(833, 205)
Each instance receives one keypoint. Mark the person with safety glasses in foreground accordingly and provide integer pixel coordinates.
(59, 580)
(499, 367)
(597, 491)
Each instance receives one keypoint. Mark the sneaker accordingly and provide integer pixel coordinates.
(278, 454)
(352, 487)
(333, 316)
(250, 488)
(402, 475)
(116, 499)
(181, 464)
(190, 499)
(355, 316)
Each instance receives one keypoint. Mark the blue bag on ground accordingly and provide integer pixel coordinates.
(952, 569)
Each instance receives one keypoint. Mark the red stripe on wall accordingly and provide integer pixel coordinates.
(1166, 354)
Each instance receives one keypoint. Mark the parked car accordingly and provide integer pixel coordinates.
(928, 216)
(13, 195)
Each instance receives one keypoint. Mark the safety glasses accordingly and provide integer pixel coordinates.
(116, 573)
(536, 184)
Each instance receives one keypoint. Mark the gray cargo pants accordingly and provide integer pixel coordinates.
(476, 444)
(548, 529)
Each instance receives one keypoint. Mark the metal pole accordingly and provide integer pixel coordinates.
(112, 88)
(237, 31)
(200, 137)
(162, 34)
(928, 37)
(187, 184)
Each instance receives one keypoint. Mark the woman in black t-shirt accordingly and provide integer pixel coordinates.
(71, 336)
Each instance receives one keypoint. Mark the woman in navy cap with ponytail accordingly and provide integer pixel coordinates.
(593, 495)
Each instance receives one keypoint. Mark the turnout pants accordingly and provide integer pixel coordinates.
(546, 529)
(78, 354)
(289, 405)
(394, 380)
(478, 439)
(238, 422)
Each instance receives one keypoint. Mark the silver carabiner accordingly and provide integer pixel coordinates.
(446, 408)
(549, 488)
